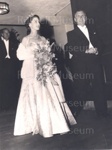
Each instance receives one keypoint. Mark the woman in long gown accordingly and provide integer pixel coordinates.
(41, 107)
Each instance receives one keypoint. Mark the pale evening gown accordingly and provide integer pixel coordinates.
(41, 109)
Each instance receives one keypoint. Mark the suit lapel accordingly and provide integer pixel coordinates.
(81, 34)
(10, 46)
(92, 32)
(4, 47)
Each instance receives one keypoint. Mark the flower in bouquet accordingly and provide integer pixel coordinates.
(43, 60)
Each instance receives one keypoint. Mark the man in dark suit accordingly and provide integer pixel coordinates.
(84, 50)
(8, 71)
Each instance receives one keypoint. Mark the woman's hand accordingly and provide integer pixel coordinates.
(33, 46)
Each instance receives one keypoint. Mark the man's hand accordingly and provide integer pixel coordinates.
(92, 51)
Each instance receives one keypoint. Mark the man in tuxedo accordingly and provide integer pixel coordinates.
(84, 51)
(8, 71)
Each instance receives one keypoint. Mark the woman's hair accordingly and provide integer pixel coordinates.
(28, 21)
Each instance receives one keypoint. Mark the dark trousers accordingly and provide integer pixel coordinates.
(88, 85)
(9, 83)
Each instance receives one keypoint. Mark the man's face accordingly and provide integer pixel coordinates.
(80, 18)
(6, 34)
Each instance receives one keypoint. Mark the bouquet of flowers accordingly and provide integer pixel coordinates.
(43, 60)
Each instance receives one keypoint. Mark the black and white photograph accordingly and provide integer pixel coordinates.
(56, 75)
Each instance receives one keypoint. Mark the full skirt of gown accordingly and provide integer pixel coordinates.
(42, 109)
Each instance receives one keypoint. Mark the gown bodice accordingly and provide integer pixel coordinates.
(36, 55)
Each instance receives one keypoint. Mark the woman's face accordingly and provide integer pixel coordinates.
(35, 24)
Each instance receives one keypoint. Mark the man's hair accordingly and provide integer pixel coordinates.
(80, 10)
(5, 29)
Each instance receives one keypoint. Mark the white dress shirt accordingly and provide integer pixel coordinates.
(6, 42)
(86, 33)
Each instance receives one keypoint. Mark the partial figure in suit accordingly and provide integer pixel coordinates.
(62, 70)
(8, 71)
(84, 51)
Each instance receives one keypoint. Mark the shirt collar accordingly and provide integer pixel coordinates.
(4, 39)
(84, 27)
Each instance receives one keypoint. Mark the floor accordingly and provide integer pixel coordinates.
(90, 133)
